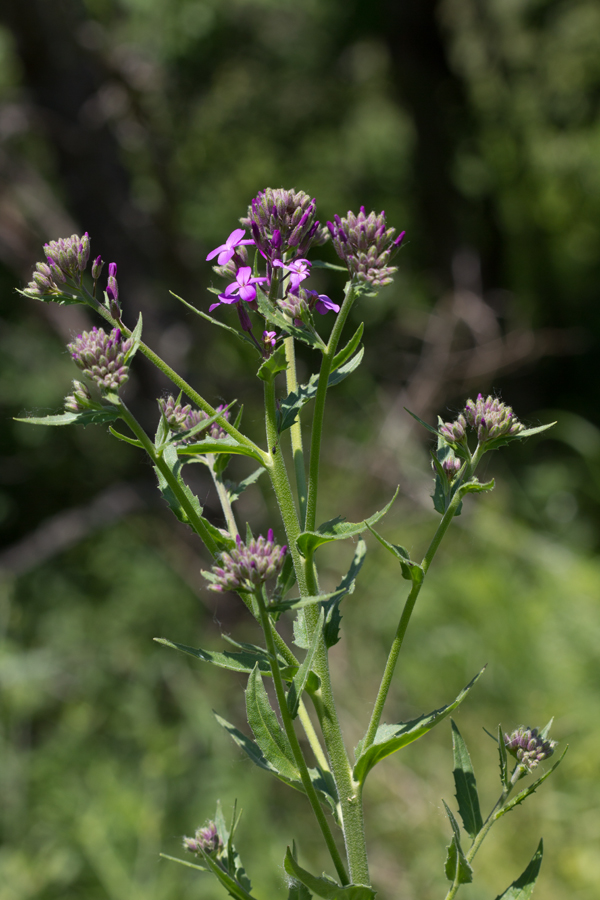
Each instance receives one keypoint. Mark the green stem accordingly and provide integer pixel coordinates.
(223, 497)
(403, 623)
(296, 430)
(288, 725)
(319, 411)
(187, 389)
(194, 519)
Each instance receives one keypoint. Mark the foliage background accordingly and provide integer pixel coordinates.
(151, 124)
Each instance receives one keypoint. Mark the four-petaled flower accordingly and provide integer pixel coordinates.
(299, 269)
(269, 338)
(227, 250)
(322, 303)
(242, 288)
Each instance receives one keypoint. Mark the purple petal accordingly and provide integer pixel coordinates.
(247, 292)
(214, 252)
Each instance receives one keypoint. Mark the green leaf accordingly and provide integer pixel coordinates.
(135, 337)
(270, 736)
(529, 790)
(390, 738)
(456, 866)
(230, 884)
(239, 334)
(297, 890)
(235, 490)
(522, 888)
(412, 571)
(275, 363)
(324, 886)
(504, 774)
(123, 437)
(235, 662)
(275, 317)
(331, 631)
(291, 405)
(300, 602)
(507, 439)
(475, 487)
(247, 744)
(285, 580)
(222, 445)
(301, 677)
(424, 424)
(321, 264)
(338, 530)
(466, 785)
(89, 417)
(183, 862)
(346, 352)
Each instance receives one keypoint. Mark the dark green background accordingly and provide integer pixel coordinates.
(152, 123)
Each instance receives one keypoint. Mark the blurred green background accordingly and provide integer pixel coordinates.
(151, 124)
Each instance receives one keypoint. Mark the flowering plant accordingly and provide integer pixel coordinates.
(267, 274)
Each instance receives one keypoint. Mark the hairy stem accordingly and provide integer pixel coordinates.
(223, 497)
(296, 430)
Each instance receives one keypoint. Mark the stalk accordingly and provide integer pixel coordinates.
(296, 749)
(296, 430)
(223, 497)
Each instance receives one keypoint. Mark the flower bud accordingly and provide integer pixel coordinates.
(184, 418)
(206, 838)
(491, 418)
(102, 357)
(526, 745)
(366, 245)
(247, 566)
(97, 267)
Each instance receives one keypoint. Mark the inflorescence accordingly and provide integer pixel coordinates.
(247, 566)
(102, 357)
(366, 245)
(206, 838)
(184, 418)
(526, 745)
(489, 417)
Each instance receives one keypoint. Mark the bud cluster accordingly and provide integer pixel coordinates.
(282, 220)
(366, 245)
(184, 418)
(102, 357)
(80, 400)
(206, 838)
(491, 418)
(526, 745)
(455, 432)
(247, 566)
(70, 255)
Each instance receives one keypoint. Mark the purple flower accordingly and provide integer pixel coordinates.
(299, 269)
(269, 338)
(321, 302)
(227, 250)
(102, 357)
(281, 219)
(366, 245)
(242, 288)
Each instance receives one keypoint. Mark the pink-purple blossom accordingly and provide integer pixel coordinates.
(227, 250)
(321, 302)
(269, 338)
(299, 270)
(242, 288)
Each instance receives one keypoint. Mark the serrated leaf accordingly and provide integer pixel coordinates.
(222, 445)
(466, 785)
(297, 890)
(475, 487)
(275, 363)
(301, 631)
(300, 602)
(507, 439)
(324, 886)
(457, 867)
(234, 490)
(239, 334)
(346, 352)
(89, 417)
(412, 571)
(135, 338)
(331, 608)
(123, 437)
(529, 790)
(338, 530)
(503, 756)
(229, 883)
(391, 738)
(301, 677)
(522, 888)
(270, 736)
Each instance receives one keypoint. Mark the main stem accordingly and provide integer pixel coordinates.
(288, 725)
(296, 430)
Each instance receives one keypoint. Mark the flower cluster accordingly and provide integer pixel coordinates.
(247, 566)
(366, 245)
(282, 220)
(206, 838)
(526, 745)
(184, 418)
(65, 258)
(102, 357)
(80, 400)
(489, 417)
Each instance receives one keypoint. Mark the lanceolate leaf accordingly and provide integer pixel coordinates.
(270, 736)
(275, 363)
(235, 490)
(297, 890)
(235, 662)
(324, 886)
(234, 888)
(457, 866)
(89, 417)
(223, 445)
(338, 530)
(136, 337)
(412, 571)
(466, 786)
(522, 888)
(239, 334)
(504, 774)
(390, 738)
(529, 790)
(301, 677)
(346, 352)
